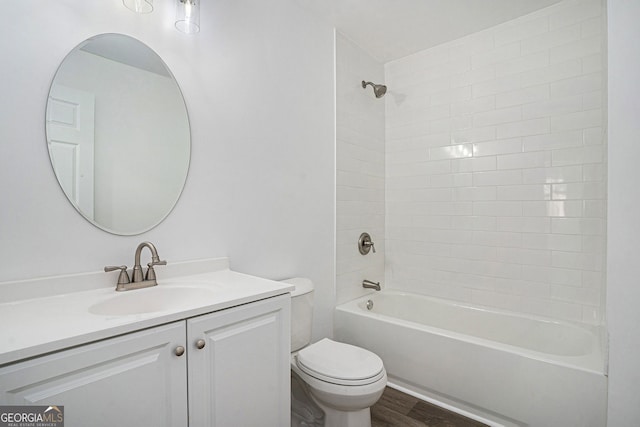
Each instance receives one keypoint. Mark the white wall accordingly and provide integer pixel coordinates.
(258, 84)
(623, 266)
(496, 166)
(360, 169)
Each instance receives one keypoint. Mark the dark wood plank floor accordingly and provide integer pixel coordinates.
(397, 409)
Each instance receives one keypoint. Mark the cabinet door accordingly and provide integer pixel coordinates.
(241, 376)
(132, 380)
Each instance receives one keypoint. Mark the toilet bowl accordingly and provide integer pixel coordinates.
(343, 380)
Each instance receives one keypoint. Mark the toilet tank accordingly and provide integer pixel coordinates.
(301, 312)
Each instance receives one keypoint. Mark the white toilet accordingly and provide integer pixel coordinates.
(343, 380)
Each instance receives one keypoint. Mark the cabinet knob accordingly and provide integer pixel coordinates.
(179, 350)
(200, 344)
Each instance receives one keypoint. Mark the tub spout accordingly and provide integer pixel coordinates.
(371, 285)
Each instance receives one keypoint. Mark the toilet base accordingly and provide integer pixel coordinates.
(336, 418)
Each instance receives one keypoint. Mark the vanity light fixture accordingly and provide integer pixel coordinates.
(188, 16)
(139, 6)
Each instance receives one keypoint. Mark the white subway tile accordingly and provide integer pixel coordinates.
(579, 120)
(494, 117)
(552, 73)
(451, 152)
(569, 208)
(592, 63)
(546, 41)
(534, 159)
(578, 191)
(473, 135)
(552, 175)
(577, 85)
(406, 182)
(474, 164)
(577, 156)
(578, 12)
(495, 175)
(531, 289)
(419, 168)
(593, 136)
(482, 223)
(496, 269)
(556, 276)
(472, 77)
(499, 54)
(497, 208)
(552, 140)
(517, 30)
(522, 64)
(594, 208)
(498, 85)
(522, 96)
(592, 279)
(535, 257)
(575, 295)
(451, 180)
(591, 315)
(407, 156)
(452, 96)
(553, 242)
(524, 128)
(578, 261)
(584, 226)
(475, 193)
(474, 252)
(473, 106)
(452, 208)
(592, 100)
(431, 194)
(553, 107)
(591, 27)
(496, 238)
(524, 192)
(501, 146)
(431, 221)
(524, 224)
(503, 177)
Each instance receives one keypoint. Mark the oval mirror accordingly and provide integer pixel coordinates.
(118, 134)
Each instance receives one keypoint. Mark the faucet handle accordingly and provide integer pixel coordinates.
(123, 278)
(151, 273)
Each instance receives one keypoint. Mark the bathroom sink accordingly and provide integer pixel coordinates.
(149, 300)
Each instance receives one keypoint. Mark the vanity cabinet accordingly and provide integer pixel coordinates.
(234, 371)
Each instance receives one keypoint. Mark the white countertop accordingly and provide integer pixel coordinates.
(35, 326)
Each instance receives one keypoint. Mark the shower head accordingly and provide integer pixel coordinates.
(378, 90)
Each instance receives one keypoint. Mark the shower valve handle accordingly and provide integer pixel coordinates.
(365, 244)
(373, 246)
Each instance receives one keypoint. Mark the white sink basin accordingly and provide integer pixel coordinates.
(149, 300)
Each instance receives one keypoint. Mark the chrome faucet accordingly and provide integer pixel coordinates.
(371, 285)
(138, 280)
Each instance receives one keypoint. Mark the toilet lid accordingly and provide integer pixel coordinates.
(340, 363)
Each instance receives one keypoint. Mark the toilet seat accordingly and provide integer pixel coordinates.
(340, 363)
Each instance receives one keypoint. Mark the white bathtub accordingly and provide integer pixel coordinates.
(498, 366)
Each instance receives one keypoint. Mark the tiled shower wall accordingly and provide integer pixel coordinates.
(360, 169)
(496, 166)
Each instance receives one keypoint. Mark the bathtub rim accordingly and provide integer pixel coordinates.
(593, 362)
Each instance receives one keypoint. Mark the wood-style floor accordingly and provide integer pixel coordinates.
(397, 409)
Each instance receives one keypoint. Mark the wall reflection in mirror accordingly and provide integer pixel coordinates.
(118, 134)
